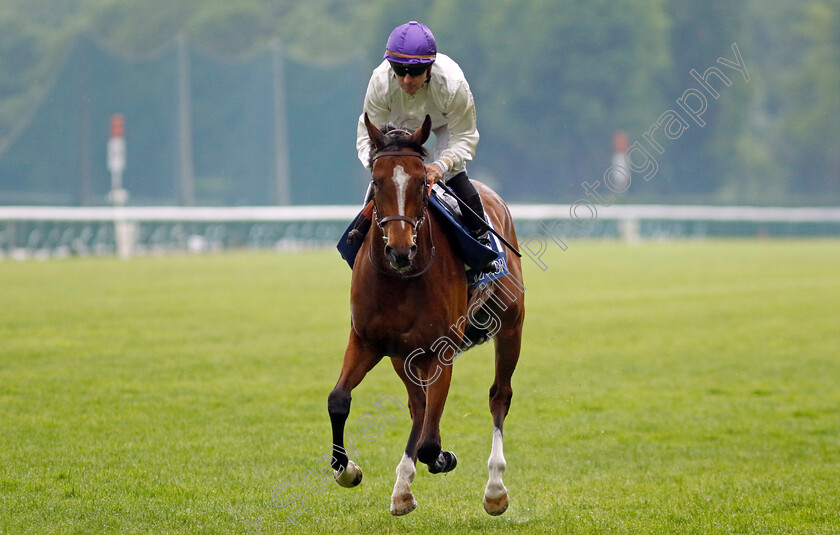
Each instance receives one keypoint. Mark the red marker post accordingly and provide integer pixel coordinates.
(618, 180)
(116, 161)
(125, 231)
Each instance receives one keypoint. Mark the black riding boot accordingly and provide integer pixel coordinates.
(474, 218)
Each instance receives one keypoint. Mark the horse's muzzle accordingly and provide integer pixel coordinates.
(400, 258)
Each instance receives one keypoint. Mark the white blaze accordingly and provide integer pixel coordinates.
(401, 179)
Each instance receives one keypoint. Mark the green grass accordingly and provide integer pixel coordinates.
(688, 387)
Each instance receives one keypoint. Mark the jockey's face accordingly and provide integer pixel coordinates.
(410, 84)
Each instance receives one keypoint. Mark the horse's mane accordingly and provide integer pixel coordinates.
(398, 138)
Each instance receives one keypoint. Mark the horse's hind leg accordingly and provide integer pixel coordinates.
(402, 500)
(358, 360)
(508, 342)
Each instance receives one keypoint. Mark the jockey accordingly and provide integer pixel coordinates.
(413, 81)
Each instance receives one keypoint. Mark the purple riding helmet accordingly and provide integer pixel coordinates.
(412, 43)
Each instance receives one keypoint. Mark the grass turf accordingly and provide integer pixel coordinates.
(688, 387)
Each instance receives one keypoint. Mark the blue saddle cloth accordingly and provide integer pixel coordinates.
(472, 252)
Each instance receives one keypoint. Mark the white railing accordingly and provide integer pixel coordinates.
(345, 213)
(44, 232)
(681, 213)
(178, 213)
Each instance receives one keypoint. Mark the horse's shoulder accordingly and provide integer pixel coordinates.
(484, 189)
(492, 200)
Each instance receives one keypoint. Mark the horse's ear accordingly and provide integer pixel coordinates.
(376, 137)
(422, 133)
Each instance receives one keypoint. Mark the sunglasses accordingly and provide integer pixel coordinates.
(415, 70)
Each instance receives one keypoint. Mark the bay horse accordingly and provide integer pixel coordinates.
(409, 301)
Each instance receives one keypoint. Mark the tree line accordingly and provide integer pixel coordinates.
(553, 80)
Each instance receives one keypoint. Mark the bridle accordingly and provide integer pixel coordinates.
(416, 223)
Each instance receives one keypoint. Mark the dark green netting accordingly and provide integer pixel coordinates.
(59, 157)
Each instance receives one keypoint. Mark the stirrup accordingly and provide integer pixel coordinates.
(489, 268)
(484, 239)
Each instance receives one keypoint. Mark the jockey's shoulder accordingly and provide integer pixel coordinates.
(447, 66)
(447, 76)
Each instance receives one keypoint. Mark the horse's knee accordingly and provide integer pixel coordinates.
(338, 403)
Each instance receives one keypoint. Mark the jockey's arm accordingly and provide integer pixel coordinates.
(463, 132)
(377, 107)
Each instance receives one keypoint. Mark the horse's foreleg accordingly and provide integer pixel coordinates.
(358, 360)
(429, 451)
(507, 354)
(402, 500)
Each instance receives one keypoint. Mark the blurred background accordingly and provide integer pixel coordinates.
(254, 102)
(214, 91)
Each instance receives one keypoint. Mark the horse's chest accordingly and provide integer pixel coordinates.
(401, 330)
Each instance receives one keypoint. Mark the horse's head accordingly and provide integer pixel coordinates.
(400, 191)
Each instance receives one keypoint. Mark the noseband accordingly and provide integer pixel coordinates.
(415, 223)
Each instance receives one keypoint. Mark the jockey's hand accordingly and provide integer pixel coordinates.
(433, 173)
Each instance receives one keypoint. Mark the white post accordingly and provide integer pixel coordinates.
(619, 179)
(124, 231)
(620, 170)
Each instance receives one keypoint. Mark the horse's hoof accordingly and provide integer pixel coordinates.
(350, 476)
(446, 462)
(496, 506)
(403, 504)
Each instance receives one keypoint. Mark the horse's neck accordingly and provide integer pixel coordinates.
(387, 303)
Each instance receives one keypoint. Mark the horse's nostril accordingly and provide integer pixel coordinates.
(399, 258)
(412, 252)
